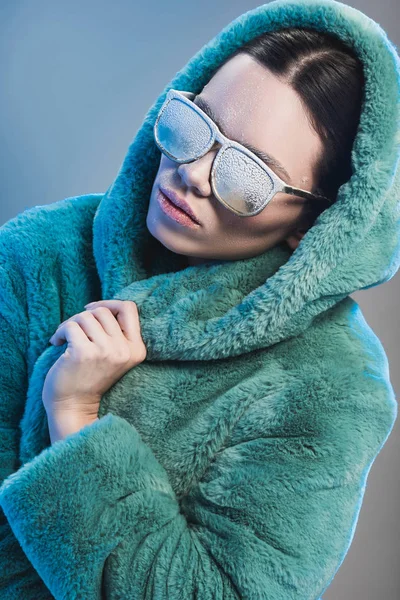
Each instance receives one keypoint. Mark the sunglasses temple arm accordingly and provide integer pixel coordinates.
(304, 194)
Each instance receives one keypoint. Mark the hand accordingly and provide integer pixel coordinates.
(104, 342)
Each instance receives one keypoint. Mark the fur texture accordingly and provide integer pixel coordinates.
(232, 462)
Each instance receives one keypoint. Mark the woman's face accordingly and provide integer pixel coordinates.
(252, 106)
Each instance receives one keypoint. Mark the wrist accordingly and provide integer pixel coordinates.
(61, 424)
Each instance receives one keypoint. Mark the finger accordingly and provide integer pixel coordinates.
(107, 320)
(90, 325)
(104, 302)
(127, 315)
(70, 332)
(72, 318)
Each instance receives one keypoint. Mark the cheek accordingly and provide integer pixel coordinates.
(275, 217)
(164, 164)
(166, 171)
(281, 214)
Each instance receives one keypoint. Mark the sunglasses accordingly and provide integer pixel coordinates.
(240, 180)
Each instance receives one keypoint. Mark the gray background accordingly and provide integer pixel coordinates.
(77, 80)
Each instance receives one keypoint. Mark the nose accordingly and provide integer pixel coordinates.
(197, 173)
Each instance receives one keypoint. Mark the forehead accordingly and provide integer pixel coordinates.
(252, 105)
(266, 157)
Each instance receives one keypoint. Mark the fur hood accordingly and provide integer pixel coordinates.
(253, 303)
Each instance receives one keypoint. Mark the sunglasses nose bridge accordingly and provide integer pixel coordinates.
(214, 147)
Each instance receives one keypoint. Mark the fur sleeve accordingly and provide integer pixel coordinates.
(18, 578)
(271, 517)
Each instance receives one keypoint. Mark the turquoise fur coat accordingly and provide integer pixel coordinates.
(231, 463)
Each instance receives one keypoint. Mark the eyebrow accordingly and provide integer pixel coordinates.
(267, 158)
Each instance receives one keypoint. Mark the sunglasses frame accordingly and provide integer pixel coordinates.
(217, 135)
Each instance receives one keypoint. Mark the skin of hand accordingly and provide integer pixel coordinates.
(104, 342)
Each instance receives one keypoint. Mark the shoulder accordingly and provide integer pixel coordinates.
(340, 339)
(350, 343)
(43, 228)
(32, 244)
(37, 238)
(332, 382)
(354, 357)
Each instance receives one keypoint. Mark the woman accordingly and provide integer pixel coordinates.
(206, 428)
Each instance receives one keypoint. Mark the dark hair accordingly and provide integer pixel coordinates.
(329, 79)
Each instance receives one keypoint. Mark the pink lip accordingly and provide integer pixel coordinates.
(173, 212)
(180, 203)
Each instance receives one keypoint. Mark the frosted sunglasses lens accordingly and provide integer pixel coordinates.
(241, 182)
(182, 132)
